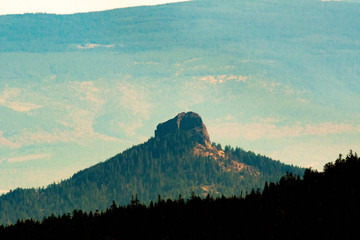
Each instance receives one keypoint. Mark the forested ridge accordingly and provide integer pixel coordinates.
(321, 205)
(163, 165)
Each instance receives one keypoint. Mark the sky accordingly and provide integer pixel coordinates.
(287, 91)
(71, 6)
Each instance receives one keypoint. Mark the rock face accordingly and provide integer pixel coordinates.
(190, 122)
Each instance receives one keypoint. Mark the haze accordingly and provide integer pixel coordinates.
(279, 78)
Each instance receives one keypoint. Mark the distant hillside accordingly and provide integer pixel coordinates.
(178, 160)
(320, 206)
(199, 24)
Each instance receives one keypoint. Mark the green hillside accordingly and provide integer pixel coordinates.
(164, 165)
(322, 205)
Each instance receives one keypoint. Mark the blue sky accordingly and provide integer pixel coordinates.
(281, 80)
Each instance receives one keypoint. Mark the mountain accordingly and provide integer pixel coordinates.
(321, 205)
(180, 159)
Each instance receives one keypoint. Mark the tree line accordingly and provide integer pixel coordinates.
(321, 205)
(165, 166)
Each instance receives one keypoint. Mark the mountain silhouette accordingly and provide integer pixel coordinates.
(179, 160)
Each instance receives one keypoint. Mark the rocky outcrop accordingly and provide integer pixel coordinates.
(190, 122)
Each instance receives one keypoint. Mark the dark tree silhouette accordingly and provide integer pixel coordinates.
(321, 205)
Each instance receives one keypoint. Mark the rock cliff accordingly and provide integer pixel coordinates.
(190, 122)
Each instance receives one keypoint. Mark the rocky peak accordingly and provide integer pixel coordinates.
(190, 122)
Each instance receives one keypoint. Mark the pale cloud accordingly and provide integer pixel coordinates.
(80, 128)
(268, 85)
(94, 45)
(21, 106)
(80, 134)
(269, 120)
(28, 158)
(254, 131)
(310, 154)
(124, 98)
(78, 117)
(328, 128)
(192, 60)
(76, 105)
(143, 139)
(134, 99)
(229, 117)
(222, 78)
(10, 93)
(87, 91)
(36, 136)
(317, 150)
(6, 142)
(278, 88)
(130, 128)
(188, 100)
(270, 130)
(10, 98)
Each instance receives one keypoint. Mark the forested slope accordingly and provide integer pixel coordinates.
(321, 205)
(164, 165)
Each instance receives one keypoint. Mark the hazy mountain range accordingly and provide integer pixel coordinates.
(280, 78)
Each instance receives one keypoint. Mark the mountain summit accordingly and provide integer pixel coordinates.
(189, 122)
(180, 159)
